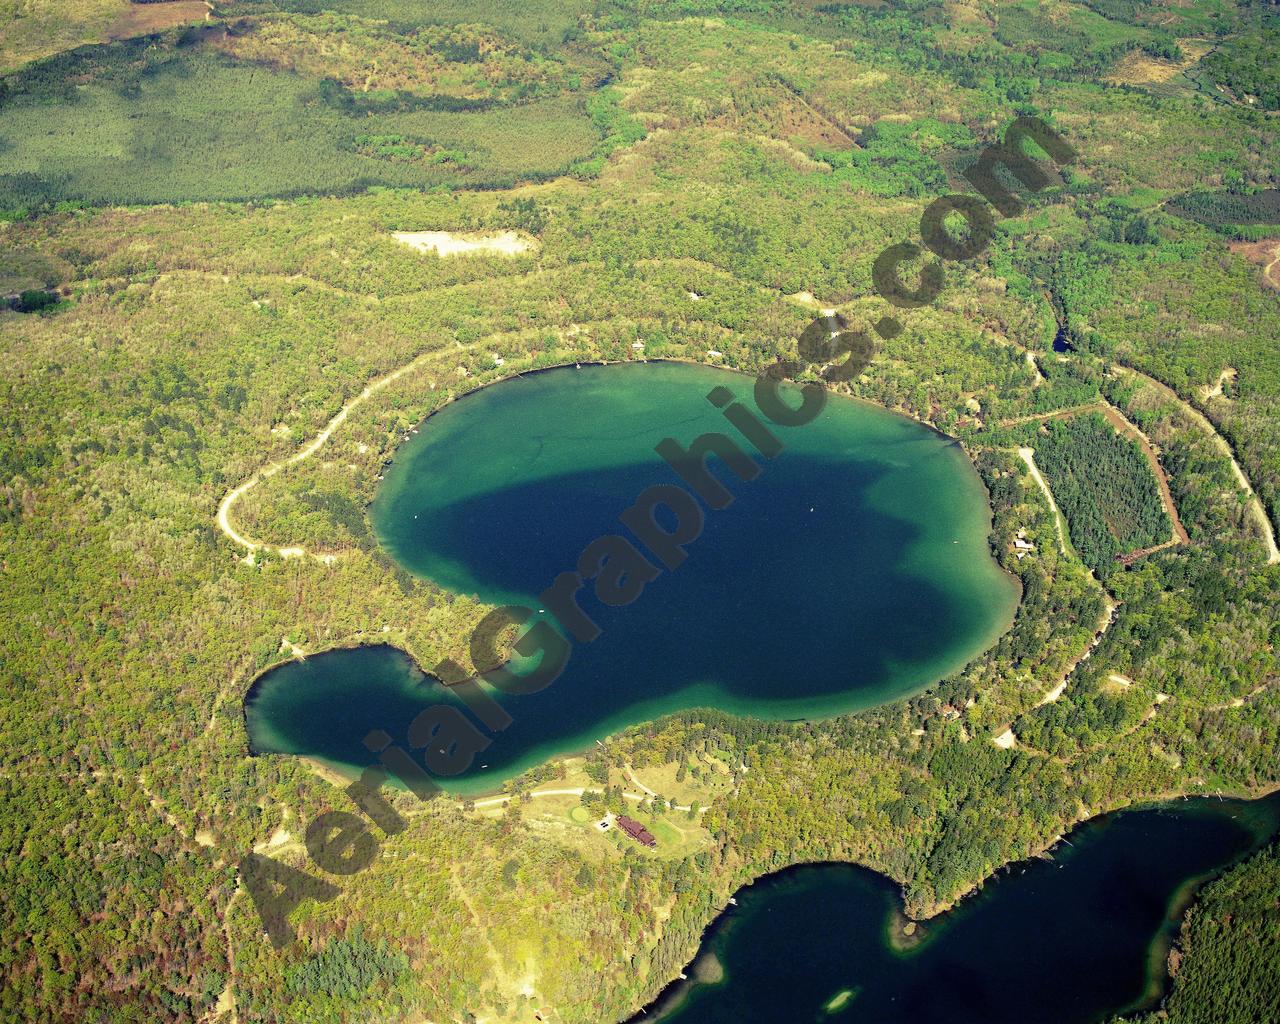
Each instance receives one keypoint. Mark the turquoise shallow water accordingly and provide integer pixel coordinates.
(1072, 940)
(853, 570)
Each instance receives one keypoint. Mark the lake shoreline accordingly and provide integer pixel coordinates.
(812, 708)
(675, 993)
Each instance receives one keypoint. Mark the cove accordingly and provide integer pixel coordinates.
(852, 571)
(1072, 940)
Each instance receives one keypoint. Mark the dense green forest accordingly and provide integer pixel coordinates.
(218, 203)
(1227, 965)
(1105, 489)
(1261, 207)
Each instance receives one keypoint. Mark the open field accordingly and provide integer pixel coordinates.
(451, 243)
(141, 19)
(1265, 254)
(32, 29)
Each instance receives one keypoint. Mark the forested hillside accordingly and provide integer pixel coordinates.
(205, 217)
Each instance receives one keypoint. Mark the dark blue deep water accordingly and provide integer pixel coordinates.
(1071, 940)
(853, 570)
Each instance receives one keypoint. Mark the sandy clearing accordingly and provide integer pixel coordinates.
(1035, 367)
(810, 301)
(292, 649)
(279, 837)
(1264, 254)
(461, 243)
(1228, 374)
(226, 1003)
(1006, 740)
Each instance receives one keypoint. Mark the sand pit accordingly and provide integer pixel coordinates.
(455, 243)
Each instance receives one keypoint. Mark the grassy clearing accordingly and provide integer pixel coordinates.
(709, 782)
(22, 267)
(141, 19)
(32, 29)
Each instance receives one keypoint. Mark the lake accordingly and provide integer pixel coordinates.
(1072, 940)
(852, 571)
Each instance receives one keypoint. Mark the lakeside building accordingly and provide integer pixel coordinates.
(636, 831)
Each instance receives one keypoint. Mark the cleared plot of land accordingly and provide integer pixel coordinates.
(32, 29)
(451, 243)
(143, 19)
(1227, 381)
(1137, 68)
(1266, 254)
